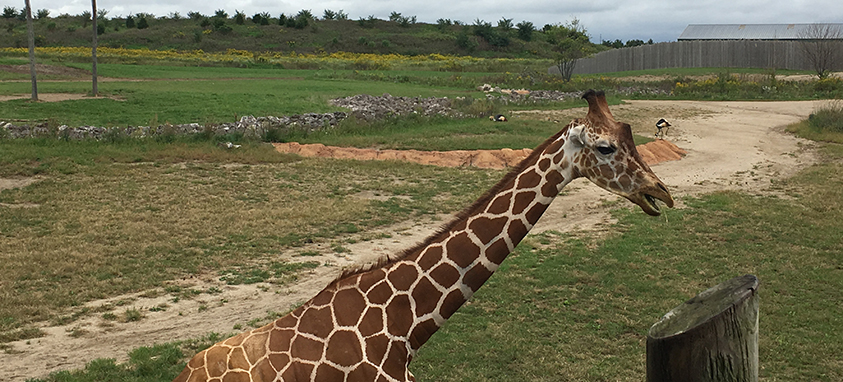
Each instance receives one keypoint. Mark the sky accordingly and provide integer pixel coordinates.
(603, 20)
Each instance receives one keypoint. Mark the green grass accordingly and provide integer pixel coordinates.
(439, 134)
(825, 124)
(146, 364)
(216, 98)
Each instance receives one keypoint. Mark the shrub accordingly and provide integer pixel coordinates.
(443, 24)
(828, 118)
(9, 12)
(505, 24)
(485, 30)
(525, 30)
(466, 42)
(130, 22)
(305, 14)
(221, 26)
(828, 84)
(300, 22)
(367, 22)
(142, 23)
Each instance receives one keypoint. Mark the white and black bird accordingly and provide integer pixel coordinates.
(662, 124)
(497, 118)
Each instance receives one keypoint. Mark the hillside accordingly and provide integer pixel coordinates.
(287, 34)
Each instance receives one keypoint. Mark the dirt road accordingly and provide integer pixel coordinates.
(730, 145)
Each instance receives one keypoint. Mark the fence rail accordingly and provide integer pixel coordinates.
(704, 54)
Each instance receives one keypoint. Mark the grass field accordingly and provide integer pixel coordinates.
(222, 95)
(110, 218)
(561, 308)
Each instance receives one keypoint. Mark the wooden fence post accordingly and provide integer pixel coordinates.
(711, 337)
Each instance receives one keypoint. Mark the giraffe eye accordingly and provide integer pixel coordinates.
(606, 150)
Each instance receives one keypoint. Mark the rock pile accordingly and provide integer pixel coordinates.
(248, 126)
(371, 108)
(525, 96)
(363, 106)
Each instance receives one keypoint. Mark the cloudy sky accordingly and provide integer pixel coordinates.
(603, 19)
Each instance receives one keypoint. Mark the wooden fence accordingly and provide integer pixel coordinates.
(704, 54)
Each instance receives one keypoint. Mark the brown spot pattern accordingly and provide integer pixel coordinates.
(403, 277)
(350, 308)
(344, 349)
(487, 229)
(462, 250)
(426, 296)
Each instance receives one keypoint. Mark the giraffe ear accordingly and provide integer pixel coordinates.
(575, 135)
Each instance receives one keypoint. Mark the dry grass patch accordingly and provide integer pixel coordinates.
(104, 229)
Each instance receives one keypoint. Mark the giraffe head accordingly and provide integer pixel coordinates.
(604, 152)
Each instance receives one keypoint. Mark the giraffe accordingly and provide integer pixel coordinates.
(369, 323)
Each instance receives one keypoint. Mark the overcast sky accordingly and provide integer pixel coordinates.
(603, 19)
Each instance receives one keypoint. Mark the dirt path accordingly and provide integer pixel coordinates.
(730, 145)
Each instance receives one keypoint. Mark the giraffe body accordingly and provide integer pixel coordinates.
(368, 324)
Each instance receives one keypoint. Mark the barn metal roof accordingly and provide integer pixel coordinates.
(749, 31)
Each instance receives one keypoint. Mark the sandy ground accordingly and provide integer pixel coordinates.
(730, 145)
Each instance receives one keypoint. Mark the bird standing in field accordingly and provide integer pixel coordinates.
(662, 124)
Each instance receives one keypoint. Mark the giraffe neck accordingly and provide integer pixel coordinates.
(447, 270)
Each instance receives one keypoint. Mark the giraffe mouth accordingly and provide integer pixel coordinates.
(653, 203)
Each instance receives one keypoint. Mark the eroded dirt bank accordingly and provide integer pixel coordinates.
(653, 152)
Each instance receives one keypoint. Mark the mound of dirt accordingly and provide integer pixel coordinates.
(652, 153)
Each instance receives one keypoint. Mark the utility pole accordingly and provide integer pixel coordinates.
(31, 32)
(94, 49)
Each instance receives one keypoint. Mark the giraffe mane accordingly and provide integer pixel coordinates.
(465, 213)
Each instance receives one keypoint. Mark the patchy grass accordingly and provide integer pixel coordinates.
(565, 308)
(277, 272)
(105, 224)
(146, 364)
(825, 124)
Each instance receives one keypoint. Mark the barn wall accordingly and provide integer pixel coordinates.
(704, 54)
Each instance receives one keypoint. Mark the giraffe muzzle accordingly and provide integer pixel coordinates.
(652, 198)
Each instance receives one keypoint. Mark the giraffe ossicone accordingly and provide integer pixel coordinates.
(368, 324)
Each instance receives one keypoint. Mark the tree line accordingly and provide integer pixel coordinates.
(496, 35)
